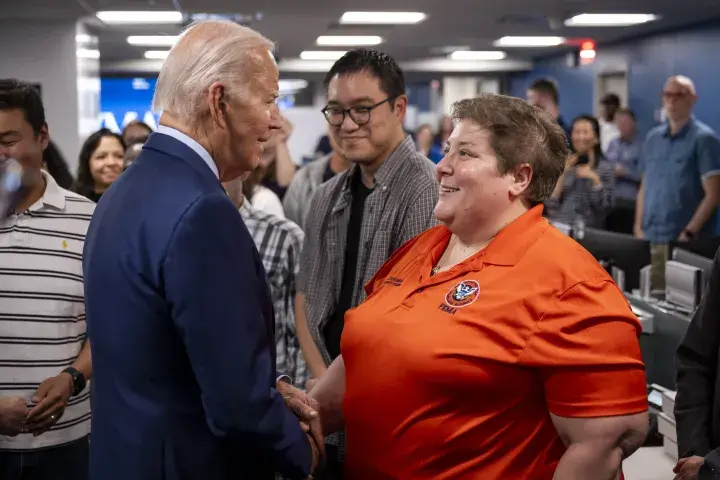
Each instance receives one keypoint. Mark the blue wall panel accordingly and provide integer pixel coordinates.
(649, 62)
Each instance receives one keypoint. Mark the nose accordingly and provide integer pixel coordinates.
(349, 124)
(443, 168)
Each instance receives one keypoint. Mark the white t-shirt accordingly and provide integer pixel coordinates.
(608, 132)
(265, 200)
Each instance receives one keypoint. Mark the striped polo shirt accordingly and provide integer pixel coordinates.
(42, 309)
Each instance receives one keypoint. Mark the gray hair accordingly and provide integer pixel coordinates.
(207, 52)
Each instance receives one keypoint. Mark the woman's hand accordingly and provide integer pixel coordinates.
(585, 171)
(571, 161)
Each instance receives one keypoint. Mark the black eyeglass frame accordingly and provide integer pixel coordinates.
(349, 112)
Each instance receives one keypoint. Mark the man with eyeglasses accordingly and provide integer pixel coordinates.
(360, 217)
(680, 189)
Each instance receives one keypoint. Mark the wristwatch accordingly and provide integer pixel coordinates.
(79, 381)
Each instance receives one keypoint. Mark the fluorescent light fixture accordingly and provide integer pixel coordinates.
(125, 17)
(321, 55)
(348, 40)
(87, 53)
(528, 42)
(609, 19)
(83, 38)
(291, 85)
(382, 18)
(477, 55)
(152, 40)
(156, 54)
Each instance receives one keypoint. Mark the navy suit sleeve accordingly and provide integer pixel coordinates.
(212, 286)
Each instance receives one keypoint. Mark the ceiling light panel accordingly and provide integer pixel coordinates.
(138, 17)
(609, 19)
(382, 18)
(152, 40)
(529, 42)
(321, 55)
(477, 55)
(156, 54)
(348, 40)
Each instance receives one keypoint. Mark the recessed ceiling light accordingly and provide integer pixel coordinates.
(124, 17)
(156, 54)
(348, 40)
(609, 19)
(321, 55)
(528, 42)
(382, 18)
(87, 53)
(152, 40)
(477, 55)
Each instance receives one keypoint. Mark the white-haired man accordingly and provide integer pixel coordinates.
(185, 384)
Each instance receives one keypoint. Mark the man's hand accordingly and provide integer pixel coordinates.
(688, 468)
(51, 398)
(683, 237)
(13, 411)
(306, 409)
(637, 232)
(620, 170)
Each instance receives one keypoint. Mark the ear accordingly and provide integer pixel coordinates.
(218, 104)
(522, 175)
(400, 107)
(44, 137)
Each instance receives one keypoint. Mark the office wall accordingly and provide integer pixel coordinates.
(649, 62)
(45, 53)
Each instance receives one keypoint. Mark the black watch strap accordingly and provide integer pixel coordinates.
(79, 381)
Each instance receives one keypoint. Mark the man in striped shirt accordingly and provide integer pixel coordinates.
(44, 358)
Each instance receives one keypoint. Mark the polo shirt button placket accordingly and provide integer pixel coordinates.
(17, 237)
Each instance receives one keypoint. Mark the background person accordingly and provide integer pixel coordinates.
(100, 163)
(584, 191)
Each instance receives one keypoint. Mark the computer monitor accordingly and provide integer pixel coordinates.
(704, 246)
(693, 259)
(618, 250)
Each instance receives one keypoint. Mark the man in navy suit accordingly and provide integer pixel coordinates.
(179, 312)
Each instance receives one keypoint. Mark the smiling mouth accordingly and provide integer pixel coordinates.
(445, 189)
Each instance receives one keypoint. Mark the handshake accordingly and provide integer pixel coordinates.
(307, 410)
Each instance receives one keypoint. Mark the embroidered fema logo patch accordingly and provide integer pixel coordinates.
(463, 294)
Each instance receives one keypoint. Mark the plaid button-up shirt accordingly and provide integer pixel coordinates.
(399, 208)
(280, 242)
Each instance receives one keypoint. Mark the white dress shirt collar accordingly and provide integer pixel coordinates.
(197, 148)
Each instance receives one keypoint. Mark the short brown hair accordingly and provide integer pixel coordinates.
(520, 134)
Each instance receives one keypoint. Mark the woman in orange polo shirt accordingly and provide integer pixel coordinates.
(493, 346)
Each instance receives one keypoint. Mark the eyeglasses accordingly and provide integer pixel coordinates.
(674, 95)
(335, 116)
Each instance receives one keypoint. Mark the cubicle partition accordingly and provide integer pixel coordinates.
(661, 336)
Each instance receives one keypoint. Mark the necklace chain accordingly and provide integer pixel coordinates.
(447, 251)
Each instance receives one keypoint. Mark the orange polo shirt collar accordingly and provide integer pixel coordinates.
(507, 248)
